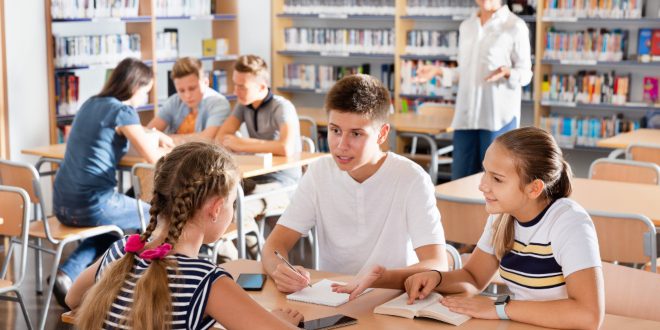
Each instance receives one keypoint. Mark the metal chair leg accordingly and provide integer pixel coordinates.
(39, 283)
(23, 309)
(51, 285)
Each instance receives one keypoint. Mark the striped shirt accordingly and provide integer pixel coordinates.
(558, 242)
(190, 285)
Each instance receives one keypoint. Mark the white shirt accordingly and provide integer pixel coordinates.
(547, 249)
(502, 41)
(379, 221)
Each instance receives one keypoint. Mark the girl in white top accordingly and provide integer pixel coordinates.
(494, 62)
(543, 244)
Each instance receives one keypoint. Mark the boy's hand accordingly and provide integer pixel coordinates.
(420, 285)
(360, 283)
(288, 315)
(288, 281)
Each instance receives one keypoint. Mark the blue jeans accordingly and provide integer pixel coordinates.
(118, 209)
(470, 147)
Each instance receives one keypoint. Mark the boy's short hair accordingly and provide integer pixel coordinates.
(186, 66)
(360, 94)
(253, 64)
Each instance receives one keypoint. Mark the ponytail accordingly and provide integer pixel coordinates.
(503, 235)
(562, 187)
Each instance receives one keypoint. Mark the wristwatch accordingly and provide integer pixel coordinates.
(500, 304)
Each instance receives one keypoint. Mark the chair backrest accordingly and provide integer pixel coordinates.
(625, 171)
(307, 144)
(14, 211)
(631, 292)
(142, 176)
(22, 175)
(309, 129)
(456, 262)
(431, 108)
(644, 152)
(626, 238)
(467, 227)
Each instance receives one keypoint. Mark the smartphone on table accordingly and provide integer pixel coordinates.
(251, 282)
(330, 322)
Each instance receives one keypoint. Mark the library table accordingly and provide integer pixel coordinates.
(621, 141)
(249, 165)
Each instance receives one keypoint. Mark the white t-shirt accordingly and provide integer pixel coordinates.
(560, 241)
(379, 221)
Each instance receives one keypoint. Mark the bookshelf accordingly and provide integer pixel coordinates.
(148, 22)
(4, 113)
(405, 20)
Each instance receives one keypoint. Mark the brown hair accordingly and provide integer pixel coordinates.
(129, 75)
(186, 66)
(537, 157)
(253, 64)
(360, 94)
(183, 181)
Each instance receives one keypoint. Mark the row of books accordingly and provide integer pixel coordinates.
(368, 41)
(593, 8)
(67, 9)
(66, 93)
(432, 42)
(319, 77)
(340, 7)
(441, 7)
(575, 131)
(438, 87)
(648, 45)
(95, 50)
(592, 44)
(183, 7)
(586, 87)
(167, 44)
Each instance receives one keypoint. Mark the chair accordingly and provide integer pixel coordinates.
(25, 176)
(438, 156)
(631, 292)
(644, 152)
(625, 171)
(463, 221)
(628, 238)
(309, 129)
(14, 211)
(456, 261)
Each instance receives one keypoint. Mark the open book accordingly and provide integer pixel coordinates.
(321, 294)
(427, 307)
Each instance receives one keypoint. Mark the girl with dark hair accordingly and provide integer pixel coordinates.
(84, 188)
(156, 280)
(542, 243)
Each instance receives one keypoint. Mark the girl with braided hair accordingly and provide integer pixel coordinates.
(156, 280)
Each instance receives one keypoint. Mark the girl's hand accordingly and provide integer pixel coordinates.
(289, 315)
(360, 283)
(420, 285)
(481, 308)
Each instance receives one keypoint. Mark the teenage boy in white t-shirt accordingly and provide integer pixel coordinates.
(375, 212)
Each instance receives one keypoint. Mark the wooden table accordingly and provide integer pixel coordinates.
(593, 195)
(621, 141)
(249, 165)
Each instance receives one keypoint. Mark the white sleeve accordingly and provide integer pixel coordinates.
(300, 214)
(422, 214)
(521, 58)
(574, 242)
(486, 240)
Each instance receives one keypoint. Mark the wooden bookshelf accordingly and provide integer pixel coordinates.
(224, 25)
(4, 113)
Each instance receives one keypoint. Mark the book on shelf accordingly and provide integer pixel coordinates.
(387, 76)
(167, 44)
(588, 87)
(219, 81)
(429, 307)
(572, 131)
(440, 8)
(319, 77)
(63, 133)
(650, 90)
(66, 93)
(617, 9)
(95, 50)
(215, 47)
(338, 9)
(73, 9)
(431, 42)
(339, 41)
(592, 44)
(183, 8)
(655, 45)
(644, 45)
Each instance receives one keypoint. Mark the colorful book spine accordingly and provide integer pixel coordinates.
(589, 45)
(319, 77)
(338, 8)
(617, 9)
(586, 131)
(339, 41)
(587, 87)
(67, 90)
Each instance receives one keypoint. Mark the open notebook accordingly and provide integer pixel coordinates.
(427, 307)
(321, 294)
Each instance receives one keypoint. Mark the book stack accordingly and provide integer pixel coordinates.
(576, 131)
(436, 87)
(441, 8)
(339, 8)
(586, 87)
(432, 42)
(95, 50)
(589, 45)
(167, 44)
(319, 77)
(69, 9)
(66, 93)
(593, 8)
(183, 7)
(340, 41)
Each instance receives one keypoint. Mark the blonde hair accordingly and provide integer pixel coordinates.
(186, 66)
(184, 180)
(253, 64)
(536, 156)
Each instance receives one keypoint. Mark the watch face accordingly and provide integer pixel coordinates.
(502, 300)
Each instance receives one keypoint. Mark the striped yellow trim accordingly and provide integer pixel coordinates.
(532, 281)
(533, 248)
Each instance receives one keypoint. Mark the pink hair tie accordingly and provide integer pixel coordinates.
(156, 253)
(134, 244)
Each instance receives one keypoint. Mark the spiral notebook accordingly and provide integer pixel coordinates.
(321, 294)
